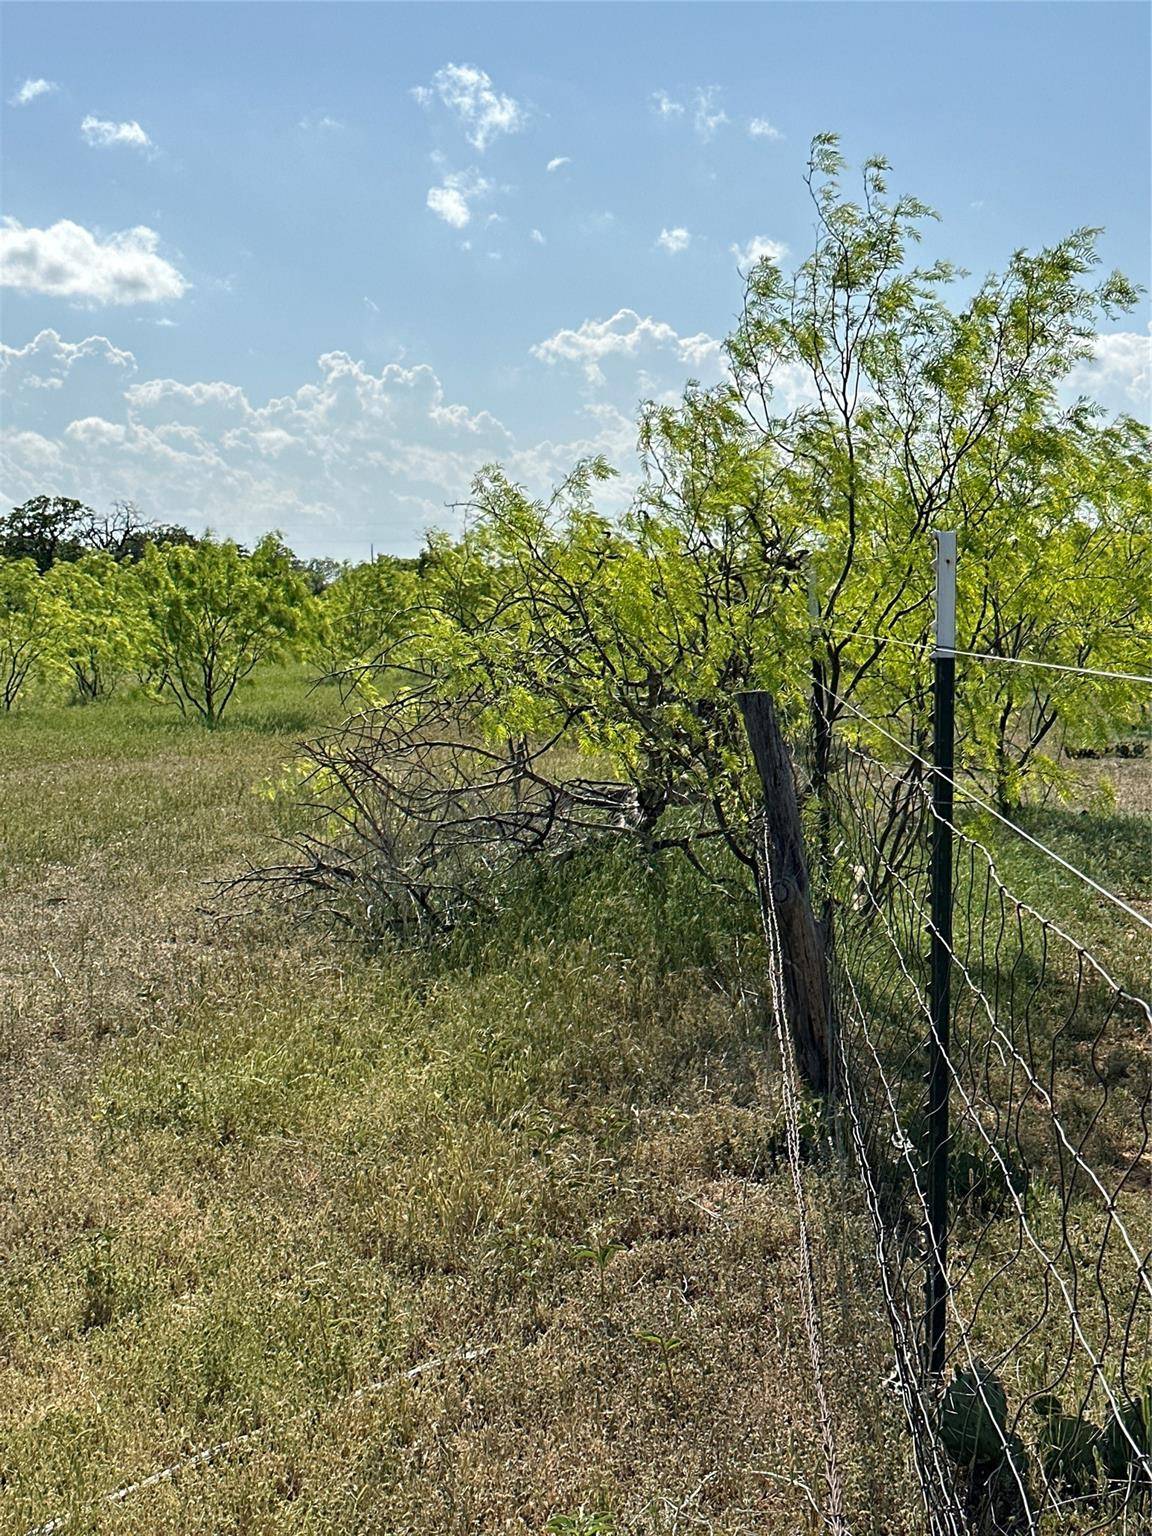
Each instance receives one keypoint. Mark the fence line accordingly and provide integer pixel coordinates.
(1010, 1240)
(1005, 1099)
(834, 1509)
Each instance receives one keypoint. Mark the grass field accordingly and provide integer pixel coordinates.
(252, 1177)
(255, 1177)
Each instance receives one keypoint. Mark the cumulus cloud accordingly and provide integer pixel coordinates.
(674, 240)
(624, 334)
(761, 128)
(1118, 374)
(470, 96)
(350, 456)
(103, 134)
(537, 237)
(320, 124)
(67, 261)
(30, 90)
(326, 463)
(758, 247)
(49, 362)
(555, 164)
(452, 200)
(49, 382)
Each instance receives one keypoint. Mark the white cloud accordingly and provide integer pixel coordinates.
(67, 261)
(449, 204)
(674, 240)
(706, 111)
(664, 106)
(536, 236)
(554, 165)
(102, 134)
(30, 90)
(320, 124)
(52, 380)
(754, 250)
(624, 334)
(452, 199)
(469, 95)
(1118, 374)
(349, 457)
(761, 128)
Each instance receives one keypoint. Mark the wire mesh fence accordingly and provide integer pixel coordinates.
(1034, 1413)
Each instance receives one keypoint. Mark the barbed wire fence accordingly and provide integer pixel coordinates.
(988, 1079)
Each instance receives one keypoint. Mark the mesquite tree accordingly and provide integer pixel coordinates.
(215, 613)
(362, 613)
(890, 409)
(101, 627)
(29, 618)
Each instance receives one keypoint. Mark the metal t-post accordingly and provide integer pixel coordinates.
(939, 1070)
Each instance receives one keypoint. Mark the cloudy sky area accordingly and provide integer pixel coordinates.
(309, 266)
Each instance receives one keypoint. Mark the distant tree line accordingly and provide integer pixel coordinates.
(50, 529)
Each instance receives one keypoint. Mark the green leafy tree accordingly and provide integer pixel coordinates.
(364, 611)
(867, 407)
(45, 529)
(887, 412)
(29, 626)
(319, 572)
(102, 623)
(781, 539)
(53, 529)
(216, 613)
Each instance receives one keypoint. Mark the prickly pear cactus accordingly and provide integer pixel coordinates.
(973, 1416)
(1127, 1451)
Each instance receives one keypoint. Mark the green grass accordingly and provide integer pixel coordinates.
(253, 1176)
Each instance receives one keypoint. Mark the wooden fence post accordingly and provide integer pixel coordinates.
(802, 938)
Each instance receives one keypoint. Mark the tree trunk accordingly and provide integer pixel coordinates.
(786, 886)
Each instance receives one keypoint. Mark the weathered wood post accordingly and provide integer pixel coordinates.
(804, 962)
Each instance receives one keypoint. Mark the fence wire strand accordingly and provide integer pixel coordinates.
(833, 1512)
(1041, 1420)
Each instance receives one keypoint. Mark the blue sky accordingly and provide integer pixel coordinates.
(307, 266)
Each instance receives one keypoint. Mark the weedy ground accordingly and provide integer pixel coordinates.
(250, 1172)
(254, 1176)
